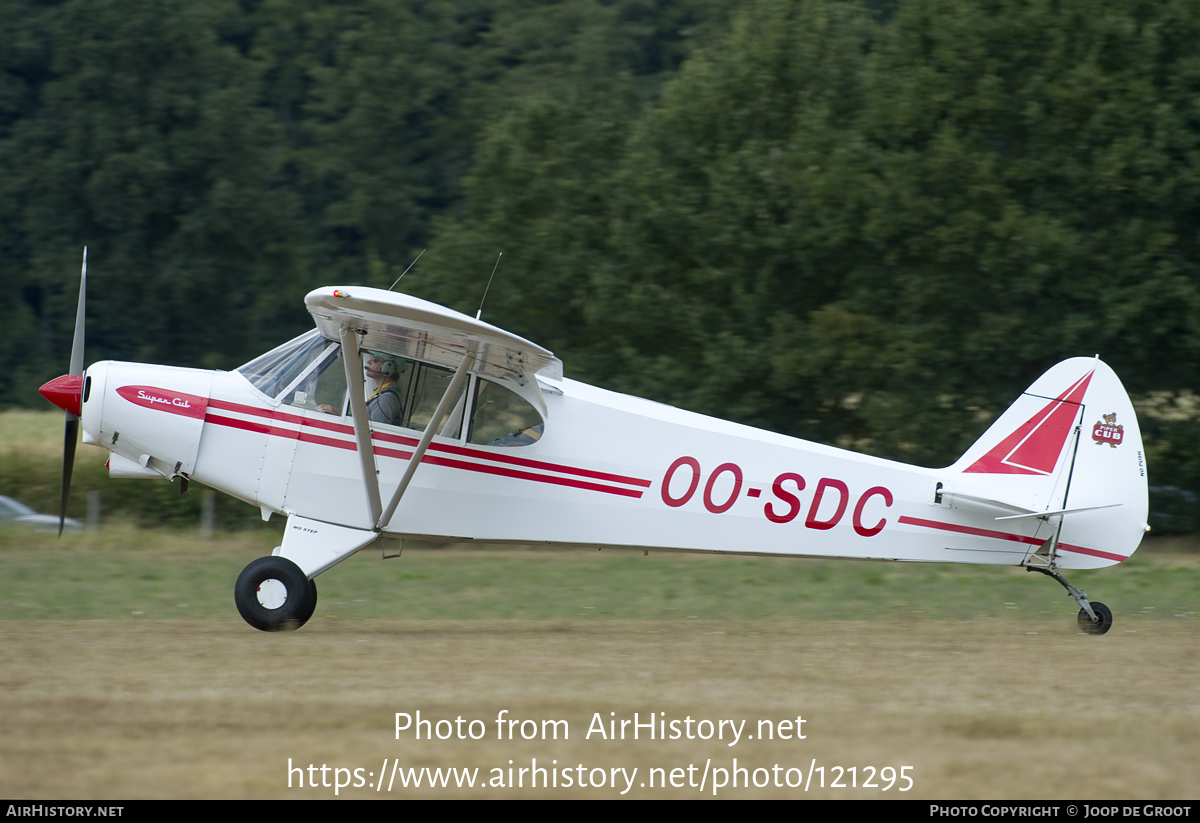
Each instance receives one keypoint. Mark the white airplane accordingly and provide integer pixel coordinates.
(397, 418)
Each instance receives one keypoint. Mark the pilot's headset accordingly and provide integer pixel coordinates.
(387, 366)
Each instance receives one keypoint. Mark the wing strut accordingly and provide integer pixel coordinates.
(435, 422)
(362, 425)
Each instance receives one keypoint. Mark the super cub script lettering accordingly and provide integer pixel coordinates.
(178, 402)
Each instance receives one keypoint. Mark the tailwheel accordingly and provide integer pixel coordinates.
(1103, 615)
(272, 594)
(1101, 624)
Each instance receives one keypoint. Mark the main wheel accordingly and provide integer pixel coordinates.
(272, 594)
(1100, 627)
(312, 601)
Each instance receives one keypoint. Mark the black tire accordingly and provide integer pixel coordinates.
(287, 582)
(312, 601)
(1100, 627)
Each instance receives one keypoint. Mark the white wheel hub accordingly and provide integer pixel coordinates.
(272, 594)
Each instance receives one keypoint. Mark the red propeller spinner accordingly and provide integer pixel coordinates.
(66, 392)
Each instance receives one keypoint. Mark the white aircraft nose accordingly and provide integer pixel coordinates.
(93, 401)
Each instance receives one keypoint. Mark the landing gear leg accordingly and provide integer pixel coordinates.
(272, 594)
(1094, 618)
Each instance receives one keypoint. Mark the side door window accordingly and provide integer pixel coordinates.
(501, 417)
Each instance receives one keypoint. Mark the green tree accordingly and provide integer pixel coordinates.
(147, 145)
(1034, 181)
(740, 196)
(541, 188)
(872, 231)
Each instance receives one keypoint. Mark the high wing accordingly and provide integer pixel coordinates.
(410, 327)
(374, 319)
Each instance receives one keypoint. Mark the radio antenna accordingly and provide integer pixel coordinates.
(489, 285)
(406, 271)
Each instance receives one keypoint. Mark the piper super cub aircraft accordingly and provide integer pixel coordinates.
(396, 417)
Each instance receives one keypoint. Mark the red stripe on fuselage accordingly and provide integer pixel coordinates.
(326, 441)
(287, 417)
(403, 440)
(953, 527)
(541, 478)
(537, 464)
(1093, 552)
(1018, 538)
(245, 425)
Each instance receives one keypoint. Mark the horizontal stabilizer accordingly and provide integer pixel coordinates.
(971, 501)
(1060, 511)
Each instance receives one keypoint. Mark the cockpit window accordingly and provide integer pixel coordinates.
(277, 369)
(501, 417)
(406, 393)
(308, 373)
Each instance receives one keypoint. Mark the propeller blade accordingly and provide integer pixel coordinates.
(69, 437)
(77, 342)
(71, 433)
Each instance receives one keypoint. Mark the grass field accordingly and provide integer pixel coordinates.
(127, 673)
(978, 709)
(35, 432)
(121, 573)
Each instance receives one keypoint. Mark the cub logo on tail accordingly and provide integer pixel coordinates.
(1108, 431)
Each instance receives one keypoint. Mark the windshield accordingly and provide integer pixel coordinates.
(277, 369)
(321, 387)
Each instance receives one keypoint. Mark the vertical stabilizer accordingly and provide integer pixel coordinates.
(1070, 442)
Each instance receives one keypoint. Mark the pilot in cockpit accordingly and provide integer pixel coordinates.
(385, 405)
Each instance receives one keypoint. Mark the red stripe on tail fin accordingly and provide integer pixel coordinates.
(1036, 444)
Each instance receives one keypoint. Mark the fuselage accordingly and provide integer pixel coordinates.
(609, 470)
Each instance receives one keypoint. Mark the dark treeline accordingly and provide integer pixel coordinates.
(221, 159)
(870, 224)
